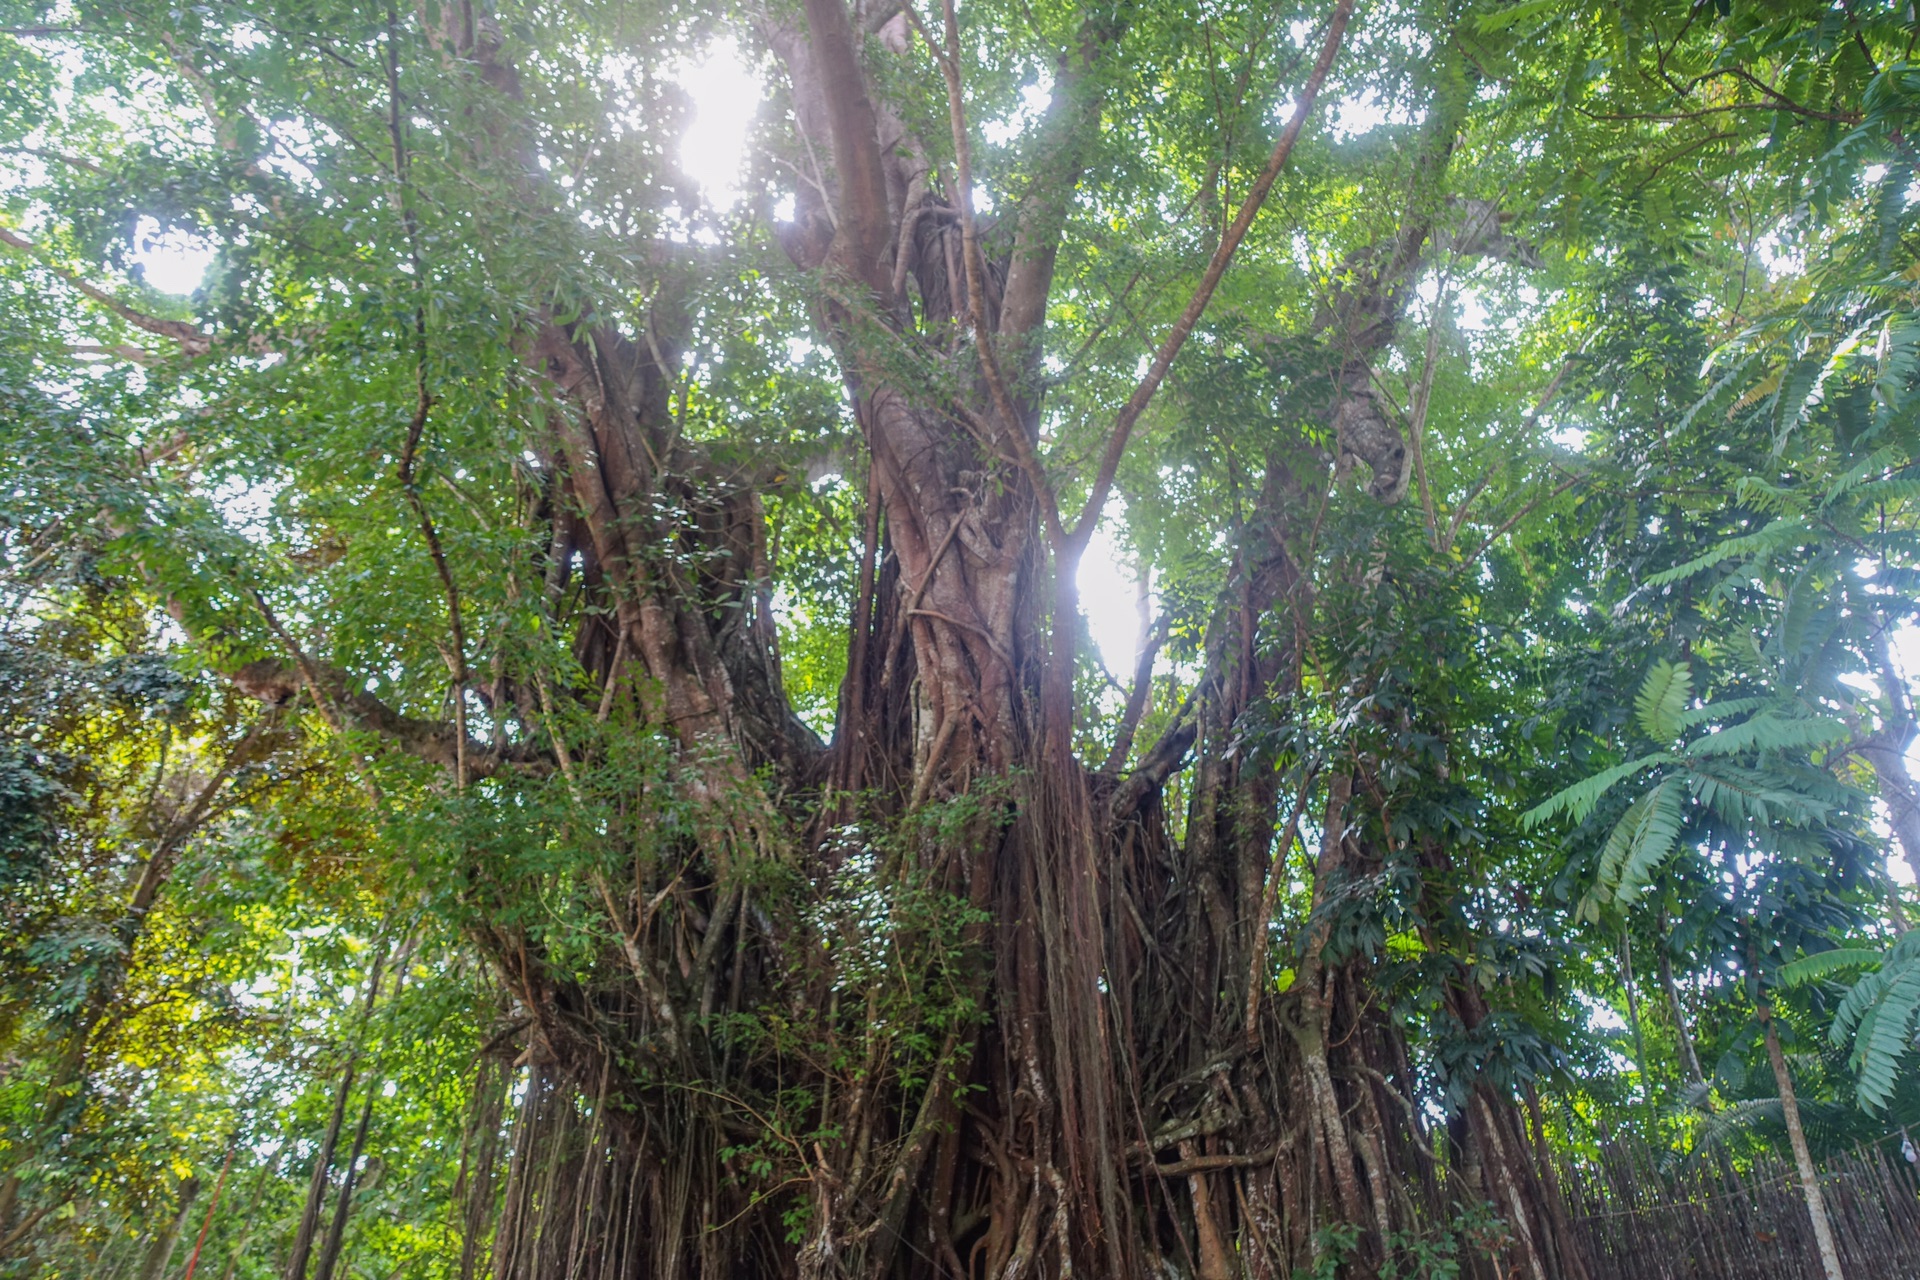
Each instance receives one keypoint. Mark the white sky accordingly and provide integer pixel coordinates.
(726, 97)
(172, 261)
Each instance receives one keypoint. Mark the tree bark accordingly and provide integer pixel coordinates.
(1802, 1155)
(154, 1265)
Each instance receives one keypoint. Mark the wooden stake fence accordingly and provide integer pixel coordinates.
(1638, 1223)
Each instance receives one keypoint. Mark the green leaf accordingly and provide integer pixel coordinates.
(1662, 702)
(1577, 801)
(1641, 840)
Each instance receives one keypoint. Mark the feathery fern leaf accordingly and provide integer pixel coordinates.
(1641, 840)
(1663, 699)
(1577, 801)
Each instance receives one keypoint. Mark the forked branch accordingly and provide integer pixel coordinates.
(1012, 428)
(1129, 415)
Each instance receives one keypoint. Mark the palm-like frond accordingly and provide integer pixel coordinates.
(1770, 731)
(1641, 840)
(1776, 536)
(1743, 796)
(1879, 1016)
(1822, 965)
(1577, 801)
(1663, 698)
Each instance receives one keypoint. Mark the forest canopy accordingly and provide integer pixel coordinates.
(837, 638)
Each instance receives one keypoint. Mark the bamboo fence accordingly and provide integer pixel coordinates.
(1636, 1222)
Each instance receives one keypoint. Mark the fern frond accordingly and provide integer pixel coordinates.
(1810, 613)
(1802, 390)
(1780, 533)
(1881, 1045)
(1774, 499)
(1892, 489)
(1741, 795)
(1822, 965)
(1578, 800)
(1770, 732)
(1641, 840)
(1663, 699)
(1729, 374)
(1736, 1119)
(1723, 710)
(1876, 463)
(1858, 1002)
(1899, 365)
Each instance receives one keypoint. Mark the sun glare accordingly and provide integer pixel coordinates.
(1109, 596)
(726, 96)
(171, 261)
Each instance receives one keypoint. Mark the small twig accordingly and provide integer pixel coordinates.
(1521, 514)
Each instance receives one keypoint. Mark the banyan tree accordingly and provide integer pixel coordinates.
(908, 942)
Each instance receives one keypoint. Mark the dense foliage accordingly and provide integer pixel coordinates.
(545, 718)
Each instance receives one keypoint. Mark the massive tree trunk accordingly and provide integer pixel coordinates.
(936, 998)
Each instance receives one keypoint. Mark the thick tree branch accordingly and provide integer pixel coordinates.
(864, 226)
(1137, 694)
(192, 341)
(1012, 423)
(433, 741)
(1176, 338)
